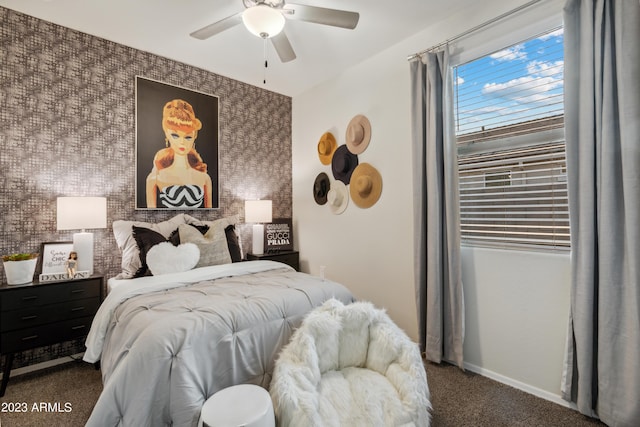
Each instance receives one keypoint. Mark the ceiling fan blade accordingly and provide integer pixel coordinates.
(217, 27)
(283, 47)
(321, 15)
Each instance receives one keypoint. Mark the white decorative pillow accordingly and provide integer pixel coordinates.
(165, 258)
(213, 245)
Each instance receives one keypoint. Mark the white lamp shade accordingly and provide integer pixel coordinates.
(257, 211)
(263, 21)
(79, 213)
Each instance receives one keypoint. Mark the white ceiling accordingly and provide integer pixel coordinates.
(162, 27)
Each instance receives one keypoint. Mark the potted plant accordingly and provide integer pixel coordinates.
(19, 268)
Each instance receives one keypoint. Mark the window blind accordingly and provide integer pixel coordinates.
(511, 151)
(516, 196)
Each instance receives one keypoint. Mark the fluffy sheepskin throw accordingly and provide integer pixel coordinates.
(350, 366)
(165, 258)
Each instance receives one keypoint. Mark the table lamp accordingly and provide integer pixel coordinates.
(257, 212)
(81, 213)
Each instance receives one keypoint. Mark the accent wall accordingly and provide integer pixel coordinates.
(67, 128)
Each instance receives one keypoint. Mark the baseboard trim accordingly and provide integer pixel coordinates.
(43, 365)
(527, 388)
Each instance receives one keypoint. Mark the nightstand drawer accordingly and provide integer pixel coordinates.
(289, 259)
(39, 295)
(34, 316)
(39, 336)
(78, 290)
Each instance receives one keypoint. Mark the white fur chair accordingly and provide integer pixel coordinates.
(350, 365)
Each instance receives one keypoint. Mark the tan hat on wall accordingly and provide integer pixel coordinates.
(365, 185)
(358, 134)
(326, 147)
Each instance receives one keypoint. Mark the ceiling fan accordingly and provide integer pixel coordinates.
(266, 19)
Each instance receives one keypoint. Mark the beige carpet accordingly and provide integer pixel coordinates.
(60, 396)
(467, 399)
(459, 399)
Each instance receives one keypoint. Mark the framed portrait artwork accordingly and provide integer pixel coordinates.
(176, 147)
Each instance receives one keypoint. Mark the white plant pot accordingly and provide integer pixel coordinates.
(20, 272)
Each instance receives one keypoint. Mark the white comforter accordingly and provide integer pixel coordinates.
(167, 343)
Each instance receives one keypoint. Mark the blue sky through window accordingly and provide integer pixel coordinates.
(518, 84)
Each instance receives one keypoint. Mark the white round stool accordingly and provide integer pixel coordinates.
(240, 405)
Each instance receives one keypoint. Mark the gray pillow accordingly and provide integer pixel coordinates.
(213, 245)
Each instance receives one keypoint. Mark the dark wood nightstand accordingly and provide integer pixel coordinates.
(291, 258)
(40, 314)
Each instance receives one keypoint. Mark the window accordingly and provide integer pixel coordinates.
(509, 116)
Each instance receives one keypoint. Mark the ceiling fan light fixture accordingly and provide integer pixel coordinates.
(263, 21)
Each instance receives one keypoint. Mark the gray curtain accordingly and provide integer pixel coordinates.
(602, 122)
(438, 285)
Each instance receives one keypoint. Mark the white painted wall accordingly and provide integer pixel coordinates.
(517, 302)
(369, 250)
(517, 309)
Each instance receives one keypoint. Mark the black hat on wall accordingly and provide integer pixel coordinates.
(321, 187)
(343, 164)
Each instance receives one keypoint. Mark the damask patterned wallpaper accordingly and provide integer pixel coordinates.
(67, 128)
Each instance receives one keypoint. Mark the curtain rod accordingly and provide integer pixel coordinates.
(472, 30)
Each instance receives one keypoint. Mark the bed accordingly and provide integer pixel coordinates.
(167, 342)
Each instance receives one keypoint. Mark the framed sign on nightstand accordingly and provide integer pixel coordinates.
(53, 256)
(53, 263)
(278, 235)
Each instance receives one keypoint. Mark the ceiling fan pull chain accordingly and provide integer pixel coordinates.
(266, 64)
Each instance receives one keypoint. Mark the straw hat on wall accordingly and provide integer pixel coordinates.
(365, 186)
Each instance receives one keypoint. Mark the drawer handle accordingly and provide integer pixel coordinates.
(77, 291)
(75, 328)
(32, 337)
(77, 309)
(29, 317)
(29, 298)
